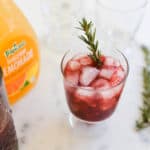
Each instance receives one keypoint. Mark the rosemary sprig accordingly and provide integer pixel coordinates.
(89, 39)
(144, 120)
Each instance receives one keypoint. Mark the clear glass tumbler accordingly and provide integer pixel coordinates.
(119, 20)
(57, 22)
(8, 138)
(93, 93)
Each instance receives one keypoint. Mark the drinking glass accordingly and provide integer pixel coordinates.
(8, 139)
(57, 23)
(90, 105)
(119, 20)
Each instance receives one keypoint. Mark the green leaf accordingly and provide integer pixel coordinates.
(144, 119)
(84, 39)
(96, 45)
(94, 35)
(89, 38)
(26, 83)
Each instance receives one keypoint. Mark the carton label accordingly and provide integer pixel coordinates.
(20, 63)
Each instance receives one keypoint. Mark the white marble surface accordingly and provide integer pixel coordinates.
(41, 116)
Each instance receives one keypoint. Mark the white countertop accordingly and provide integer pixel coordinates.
(41, 116)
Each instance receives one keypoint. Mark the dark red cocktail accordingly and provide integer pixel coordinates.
(93, 92)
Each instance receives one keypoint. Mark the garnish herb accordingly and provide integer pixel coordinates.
(144, 120)
(89, 39)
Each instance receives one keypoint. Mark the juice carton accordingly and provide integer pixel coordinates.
(19, 57)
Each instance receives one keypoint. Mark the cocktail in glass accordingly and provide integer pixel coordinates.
(93, 92)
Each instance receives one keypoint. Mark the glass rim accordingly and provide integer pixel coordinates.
(143, 5)
(93, 89)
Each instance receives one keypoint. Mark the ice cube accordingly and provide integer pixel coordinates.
(85, 94)
(120, 72)
(100, 84)
(118, 89)
(72, 77)
(106, 73)
(107, 99)
(108, 94)
(116, 63)
(85, 61)
(109, 61)
(88, 75)
(74, 65)
(118, 76)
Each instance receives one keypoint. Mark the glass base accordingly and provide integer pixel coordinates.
(85, 128)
